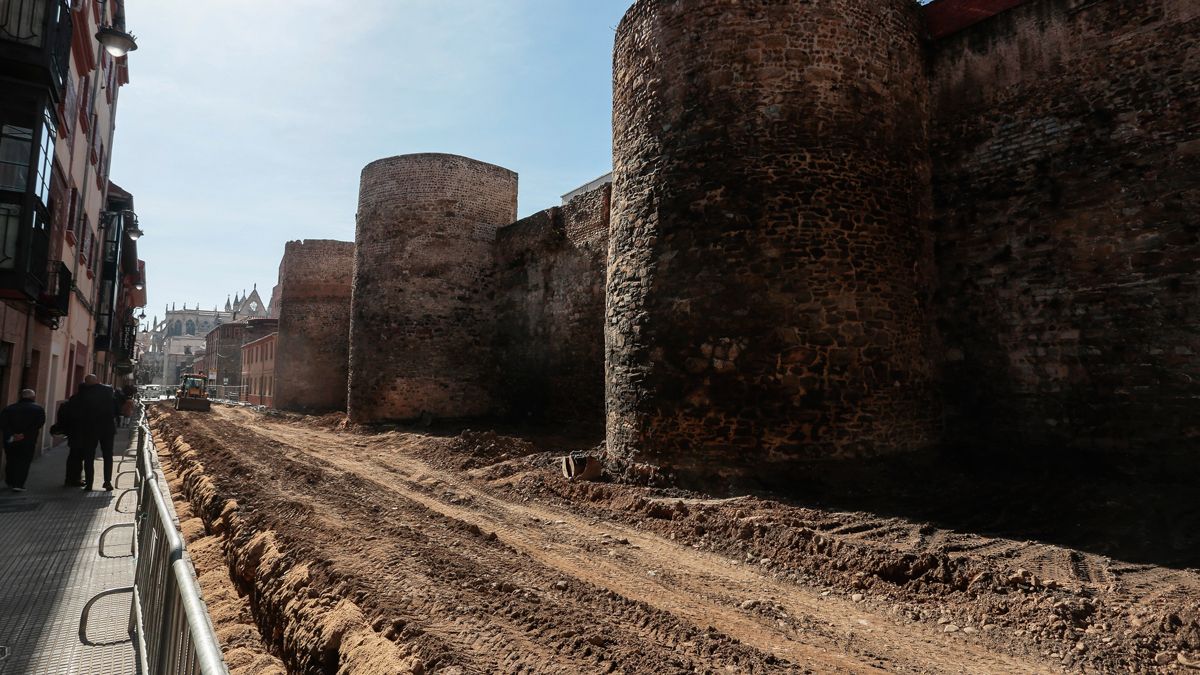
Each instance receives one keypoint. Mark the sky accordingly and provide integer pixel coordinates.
(246, 123)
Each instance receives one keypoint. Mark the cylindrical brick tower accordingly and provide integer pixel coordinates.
(768, 258)
(420, 339)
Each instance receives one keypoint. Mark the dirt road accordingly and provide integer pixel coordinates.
(469, 554)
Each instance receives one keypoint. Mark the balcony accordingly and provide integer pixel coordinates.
(35, 42)
(55, 301)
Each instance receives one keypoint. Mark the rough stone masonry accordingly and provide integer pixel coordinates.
(311, 361)
(838, 229)
(769, 268)
(422, 328)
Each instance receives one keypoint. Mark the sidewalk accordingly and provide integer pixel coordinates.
(51, 565)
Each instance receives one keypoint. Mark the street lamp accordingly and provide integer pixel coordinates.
(132, 230)
(116, 42)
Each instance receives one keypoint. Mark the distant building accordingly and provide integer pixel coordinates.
(224, 347)
(258, 370)
(182, 331)
(600, 182)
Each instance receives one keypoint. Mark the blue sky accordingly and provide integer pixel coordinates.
(246, 123)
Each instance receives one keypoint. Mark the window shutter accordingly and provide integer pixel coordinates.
(67, 108)
(82, 103)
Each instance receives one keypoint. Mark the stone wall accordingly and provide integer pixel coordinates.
(1066, 149)
(549, 281)
(421, 341)
(769, 272)
(311, 367)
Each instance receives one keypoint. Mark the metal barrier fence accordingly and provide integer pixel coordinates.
(168, 621)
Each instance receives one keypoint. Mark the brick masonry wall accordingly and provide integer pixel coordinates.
(258, 369)
(311, 366)
(1066, 151)
(421, 341)
(549, 280)
(223, 354)
(769, 270)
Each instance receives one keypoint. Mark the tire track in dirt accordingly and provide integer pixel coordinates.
(697, 586)
(456, 516)
(504, 631)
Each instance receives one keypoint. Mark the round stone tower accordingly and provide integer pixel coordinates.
(420, 334)
(768, 256)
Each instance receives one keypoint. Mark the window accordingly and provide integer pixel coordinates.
(110, 69)
(83, 112)
(85, 242)
(23, 22)
(191, 327)
(6, 349)
(16, 145)
(10, 227)
(67, 108)
(45, 162)
(74, 214)
(60, 202)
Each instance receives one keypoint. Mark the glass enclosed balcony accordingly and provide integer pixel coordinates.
(27, 136)
(35, 42)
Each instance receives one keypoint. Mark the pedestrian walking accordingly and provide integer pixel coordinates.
(21, 425)
(81, 457)
(92, 414)
(119, 405)
(129, 405)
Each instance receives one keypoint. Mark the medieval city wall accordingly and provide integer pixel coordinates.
(769, 270)
(312, 358)
(549, 280)
(1066, 149)
(421, 340)
(831, 237)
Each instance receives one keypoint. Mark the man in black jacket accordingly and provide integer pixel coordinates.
(21, 424)
(81, 457)
(94, 420)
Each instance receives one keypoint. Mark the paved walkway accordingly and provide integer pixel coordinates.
(51, 565)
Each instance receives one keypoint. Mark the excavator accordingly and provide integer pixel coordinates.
(193, 393)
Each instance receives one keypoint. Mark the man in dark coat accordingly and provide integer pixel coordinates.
(93, 419)
(21, 424)
(81, 456)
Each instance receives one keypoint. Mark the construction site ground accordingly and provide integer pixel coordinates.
(327, 548)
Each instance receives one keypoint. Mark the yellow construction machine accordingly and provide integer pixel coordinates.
(193, 393)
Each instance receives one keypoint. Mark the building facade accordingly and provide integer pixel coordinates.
(258, 370)
(173, 339)
(223, 346)
(69, 273)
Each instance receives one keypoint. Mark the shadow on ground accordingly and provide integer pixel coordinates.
(1141, 509)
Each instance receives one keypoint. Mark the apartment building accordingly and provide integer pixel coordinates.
(70, 277)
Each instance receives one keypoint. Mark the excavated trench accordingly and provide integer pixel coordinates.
(300, 622)
(389, 552)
